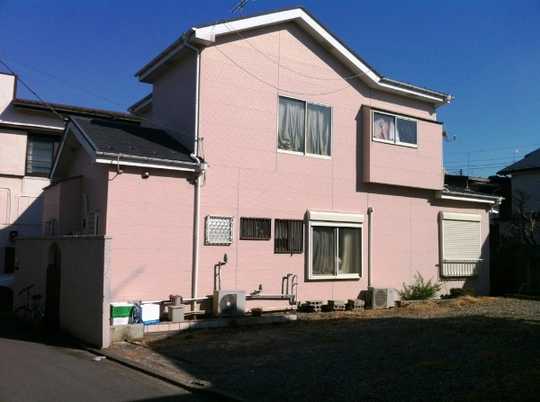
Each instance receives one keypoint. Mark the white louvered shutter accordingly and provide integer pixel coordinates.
(461, 244)
(461, 240)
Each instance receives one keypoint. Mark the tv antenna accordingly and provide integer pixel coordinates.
(239, 7)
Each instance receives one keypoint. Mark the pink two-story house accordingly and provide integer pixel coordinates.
(267, 139)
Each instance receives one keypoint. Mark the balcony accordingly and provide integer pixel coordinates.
(401, 150)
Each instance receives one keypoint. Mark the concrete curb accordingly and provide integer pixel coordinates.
(193, 385)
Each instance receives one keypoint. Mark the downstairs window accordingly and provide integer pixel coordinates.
(461, 244)
(335, 249)
(288, 236)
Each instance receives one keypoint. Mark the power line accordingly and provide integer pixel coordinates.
(142, 119)
(10, 70)
(494, 149)
(65, 83)
(486, 165)
(476, 161)
(272, 85)
(346, 78)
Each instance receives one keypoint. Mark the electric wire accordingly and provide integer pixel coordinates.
(19, 79)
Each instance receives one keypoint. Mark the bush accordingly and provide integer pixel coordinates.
(420, 289)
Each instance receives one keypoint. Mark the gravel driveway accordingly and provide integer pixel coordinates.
(467, 349)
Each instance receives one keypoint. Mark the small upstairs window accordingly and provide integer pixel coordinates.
(255, 228)
(394, 129)
(40, 153)
(304, 127)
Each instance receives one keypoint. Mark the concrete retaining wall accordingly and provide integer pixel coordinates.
(84, 283)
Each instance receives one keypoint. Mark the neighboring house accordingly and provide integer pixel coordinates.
(517, 268)
(267, 139)
(496, 186)
(525, 181)
(29, 137)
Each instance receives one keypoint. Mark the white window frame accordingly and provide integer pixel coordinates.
(305, 102)
(334, 224)
(456, 216)
(395, 142)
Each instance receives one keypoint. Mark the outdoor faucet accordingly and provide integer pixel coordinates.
(217, 272)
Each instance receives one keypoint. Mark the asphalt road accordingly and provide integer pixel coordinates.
(42, 369)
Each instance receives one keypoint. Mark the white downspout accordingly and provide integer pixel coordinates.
(370, 245)
(197, 197)
(196, 232)
(197, 91)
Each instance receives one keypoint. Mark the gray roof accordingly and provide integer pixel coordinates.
(73, 110)
(530, 161)
(113, 137)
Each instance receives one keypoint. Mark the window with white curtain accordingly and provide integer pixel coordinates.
(304, 127)
(335, 250)
(394, 129)
(461, 244)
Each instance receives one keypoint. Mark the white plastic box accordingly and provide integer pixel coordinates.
(150, 312)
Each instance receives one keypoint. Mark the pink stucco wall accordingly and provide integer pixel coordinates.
(249, 177)
(173, 99)
(419, 167)
(63, 201)
(150, 222)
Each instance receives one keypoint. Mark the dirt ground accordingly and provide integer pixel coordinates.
(467, 349)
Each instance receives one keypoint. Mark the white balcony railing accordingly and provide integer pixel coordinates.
(459, 268)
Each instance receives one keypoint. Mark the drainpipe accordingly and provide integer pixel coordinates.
(197, 91)
(196, 223)
(202, 168)
(370, 243)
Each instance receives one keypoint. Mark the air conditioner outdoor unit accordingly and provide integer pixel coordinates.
(382, 297)
(229, 302)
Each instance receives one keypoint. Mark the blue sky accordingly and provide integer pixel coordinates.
(485, 53)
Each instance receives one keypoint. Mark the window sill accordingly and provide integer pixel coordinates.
(399, 144)
(342, 277)
(316, 156)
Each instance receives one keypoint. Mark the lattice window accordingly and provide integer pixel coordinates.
(218, 230)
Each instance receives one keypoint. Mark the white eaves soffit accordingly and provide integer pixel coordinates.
(207, 35)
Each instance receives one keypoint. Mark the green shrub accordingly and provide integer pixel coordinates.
(420, 289)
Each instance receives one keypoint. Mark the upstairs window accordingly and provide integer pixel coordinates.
(304, 127)
(255, 228)
(40, 154)
(288, 236)
(394, 129)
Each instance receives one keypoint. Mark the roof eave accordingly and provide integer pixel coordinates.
(72, 110)
(206, 36)
(162, 58)
(141, 105)
(107, 158)
(467, 197)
